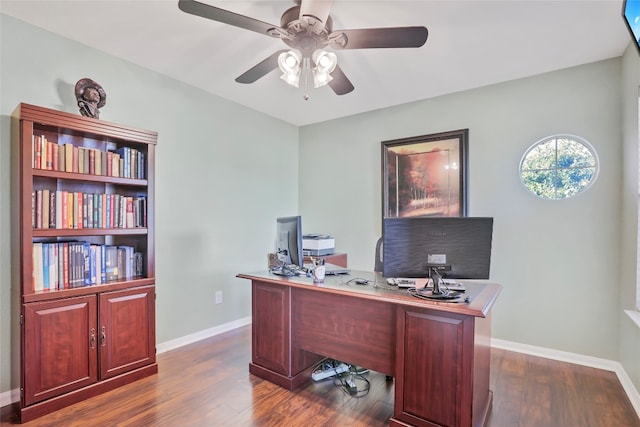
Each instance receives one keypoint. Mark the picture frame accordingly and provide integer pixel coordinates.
(425, 175)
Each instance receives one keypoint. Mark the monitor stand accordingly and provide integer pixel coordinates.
(284, 270)
(438, 293)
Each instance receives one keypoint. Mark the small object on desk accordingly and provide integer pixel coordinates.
(318, 270)
(361, 281)
(405, 283)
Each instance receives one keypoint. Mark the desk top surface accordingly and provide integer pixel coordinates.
(482, 294)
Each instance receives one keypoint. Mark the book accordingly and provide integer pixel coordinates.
(125, 156)
(61, 261)
(99, 162)
(45, 209)
(80, 207)
(79, 264)
(74, 162)
(45, 266)
(103, 264)
(33, 209)
(129, 219)
(56, 157)
(111, 263)
(81, 164)
(65, 258)
(59, 205)
(92, 162)
(103, 211)
(52, 209)
(38, 279)
(108, 211)
(62, 157)
(68, 157)
(49, 154)
(37, 153)
(115, 165)
(64, 209)
(53, 266)
(109, 163)
(93, 266)
(138, 266)
(70, 210)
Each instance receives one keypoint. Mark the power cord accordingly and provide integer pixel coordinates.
(358, 281)
(353, 383)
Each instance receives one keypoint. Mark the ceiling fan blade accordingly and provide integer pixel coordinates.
(371, 38)
(315, 12)
(226, 17)
(261, 69)
(340, 83)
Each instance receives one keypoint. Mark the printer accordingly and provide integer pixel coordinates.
(318, 244)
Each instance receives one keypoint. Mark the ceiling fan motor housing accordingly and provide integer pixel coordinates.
(307, 32)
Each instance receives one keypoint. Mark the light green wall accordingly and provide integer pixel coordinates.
(224, 173)
(629, 332)
(216, 176)
(557, 260)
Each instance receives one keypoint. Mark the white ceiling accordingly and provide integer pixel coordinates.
(471, 44)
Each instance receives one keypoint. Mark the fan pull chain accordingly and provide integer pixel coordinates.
(306, 69)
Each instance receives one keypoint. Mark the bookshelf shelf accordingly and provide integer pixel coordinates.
(54, 232)
(88, 290)
(85, 290)
(90, 178)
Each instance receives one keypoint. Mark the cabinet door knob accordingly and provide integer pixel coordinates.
(92, 338)
(103, 337)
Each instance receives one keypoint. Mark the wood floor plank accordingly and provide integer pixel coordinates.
(207, 383)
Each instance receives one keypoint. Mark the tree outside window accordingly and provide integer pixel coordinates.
(559, 167)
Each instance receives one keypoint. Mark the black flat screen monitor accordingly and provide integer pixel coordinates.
(631, 15)
(289, 241)
(458, 247)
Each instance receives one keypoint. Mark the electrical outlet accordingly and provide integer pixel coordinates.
(218, 297)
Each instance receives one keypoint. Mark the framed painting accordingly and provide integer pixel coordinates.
(425, 175)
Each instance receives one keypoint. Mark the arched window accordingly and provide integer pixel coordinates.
(559, 167)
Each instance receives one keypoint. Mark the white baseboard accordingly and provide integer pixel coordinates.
(578, 359)
(9, 397)
(200, 335)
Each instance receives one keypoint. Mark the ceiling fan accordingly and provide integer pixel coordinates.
(307, 29)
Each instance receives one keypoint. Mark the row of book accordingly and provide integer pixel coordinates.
(74, 264)
(124, 162)
(75, 210)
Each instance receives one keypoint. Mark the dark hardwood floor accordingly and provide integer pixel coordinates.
(208, 384)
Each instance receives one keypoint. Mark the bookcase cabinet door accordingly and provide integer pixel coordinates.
(127, 330)
(60, 347)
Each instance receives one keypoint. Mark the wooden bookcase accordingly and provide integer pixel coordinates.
(87, 310)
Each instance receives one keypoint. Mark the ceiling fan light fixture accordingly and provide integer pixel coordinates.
(290, 65)
(321, 78)
(291, 78)
(325, 61)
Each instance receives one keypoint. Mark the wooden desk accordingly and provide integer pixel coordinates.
(438, 353)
